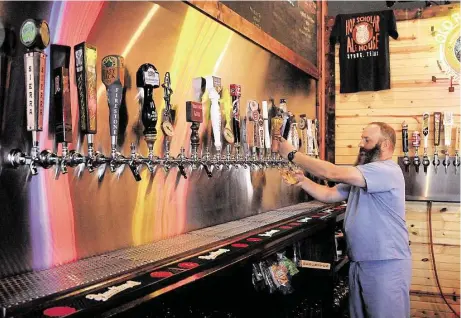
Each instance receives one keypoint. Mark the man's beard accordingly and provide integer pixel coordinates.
(368, 155)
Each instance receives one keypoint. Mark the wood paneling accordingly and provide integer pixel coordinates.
(413, 59)
(446, 238)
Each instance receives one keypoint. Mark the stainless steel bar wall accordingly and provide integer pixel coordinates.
(45, 222)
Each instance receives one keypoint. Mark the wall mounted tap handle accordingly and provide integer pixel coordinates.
(147, 79)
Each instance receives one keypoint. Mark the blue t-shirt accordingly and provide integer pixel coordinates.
(374, 224)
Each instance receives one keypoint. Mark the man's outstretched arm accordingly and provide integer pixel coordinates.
(323, 193)
(324, 169)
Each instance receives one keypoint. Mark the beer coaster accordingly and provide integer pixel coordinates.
(167, 129)
(239, 245)
(187, 265)
(228, 135)
(254, 239)
(161, 274)
(59, 311)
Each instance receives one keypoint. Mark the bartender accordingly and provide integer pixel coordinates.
(374, 225)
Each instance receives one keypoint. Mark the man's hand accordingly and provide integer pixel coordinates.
(293, 177)
(285, 148)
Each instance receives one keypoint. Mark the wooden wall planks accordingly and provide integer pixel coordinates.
(413, 63)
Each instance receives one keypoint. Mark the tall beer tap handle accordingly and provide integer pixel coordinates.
(147, 79)
(194, 115)
(226, 102)
(276, 126)
(448, 124)
(405, 137)
(437, 128)
(86, 78)
(426, 118)
(252, 120)
(35, 36)
(457, 139)
(236, 93)
(213, 85)
(60, 60)
(416, 140)
(167, 121)
(265, 117)
(303, 127)
(113, 72)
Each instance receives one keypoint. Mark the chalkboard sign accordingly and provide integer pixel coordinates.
(292, 23)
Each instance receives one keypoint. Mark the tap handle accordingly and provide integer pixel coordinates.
(167, 91)
(447, 124)
(276, 126)
(303, 128)
(86, 79)
(416, 140)
(213, 85)
(252, 122)
(437, 127)
(457, 139)
(265, 117)
(113, 72)
(194, 115)
(236, 93)
(147, 79)
(60, 60)
(405, 137)
(35, 36)
(426, 119)
(167, 118)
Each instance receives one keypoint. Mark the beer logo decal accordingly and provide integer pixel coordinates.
(109, 70)
(152, 77)
(362, 35)
(449, 40)
(28, 33)
(302, 124)
(79, 59)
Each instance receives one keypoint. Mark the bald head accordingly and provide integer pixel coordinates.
(386, 131)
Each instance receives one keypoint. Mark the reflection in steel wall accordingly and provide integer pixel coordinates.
(46, 222)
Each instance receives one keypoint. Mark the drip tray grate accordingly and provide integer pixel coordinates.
(22, 288)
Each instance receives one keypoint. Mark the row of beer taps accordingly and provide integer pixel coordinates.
(416, 143)
(254, 136)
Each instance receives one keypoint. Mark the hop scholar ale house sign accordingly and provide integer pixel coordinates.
(362, 36)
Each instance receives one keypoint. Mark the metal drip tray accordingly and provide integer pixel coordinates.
(23, 288)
